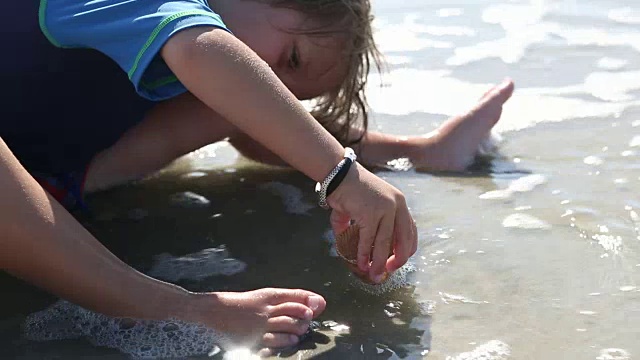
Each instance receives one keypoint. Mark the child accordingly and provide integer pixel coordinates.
(224, 69)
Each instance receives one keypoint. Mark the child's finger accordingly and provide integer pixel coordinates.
(415, 235)
(405, 241)
(381, 247)
(367, 236)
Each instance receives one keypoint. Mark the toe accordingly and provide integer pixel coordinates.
(279, 340)
(313, 301)
(292, 309)
(502, 92)
(286, 324)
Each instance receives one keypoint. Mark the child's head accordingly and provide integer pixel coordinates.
(341, 108)
(333, 41)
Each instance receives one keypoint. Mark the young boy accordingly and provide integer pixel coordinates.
(201, 72)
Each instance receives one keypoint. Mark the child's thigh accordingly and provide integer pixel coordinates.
(60, 114)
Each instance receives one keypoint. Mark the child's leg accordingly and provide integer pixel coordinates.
(184, 124)
(169, 130)
(451, 147)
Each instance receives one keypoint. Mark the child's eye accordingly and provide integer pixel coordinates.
(294, 58)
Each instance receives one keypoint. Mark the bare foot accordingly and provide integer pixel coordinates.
(454, 145)
(266, 318)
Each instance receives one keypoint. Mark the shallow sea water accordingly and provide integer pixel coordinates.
(535, 255)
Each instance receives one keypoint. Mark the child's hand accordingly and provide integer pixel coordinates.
(381, 212)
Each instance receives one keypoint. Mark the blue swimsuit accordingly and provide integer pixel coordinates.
(78, 74)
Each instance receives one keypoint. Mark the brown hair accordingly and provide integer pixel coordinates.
(343, 109)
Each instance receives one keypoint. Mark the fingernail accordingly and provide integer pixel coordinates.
(363, 265)
(308, 314)
(378, 278)
(293, 339)
(314, 302)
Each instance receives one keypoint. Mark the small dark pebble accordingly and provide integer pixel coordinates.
(313, 326)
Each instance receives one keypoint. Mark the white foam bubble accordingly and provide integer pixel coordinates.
(524, 221)
(407, 36)
(625, 15)
(400, 164)
(587, 312)
(609, 242)
(396, 280)
(527, 183)
(523, 184)
(609, 63)
(189, 199)
(292, 197)
(523, 28)
(142, 339)
(614, 354)
(490, 145)
(330, 238)
(597, 36)
(405, 93)
(213, 156)
(453, 298)
(635, 141)
(492, 350)
(196, 266)
(614, 87)
(450, 12)
(593, 160)
(496, 194)
(211, 149)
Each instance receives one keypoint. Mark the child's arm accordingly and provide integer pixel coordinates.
(44, 245)
(228, 77)
(232, 80)
(451, 147)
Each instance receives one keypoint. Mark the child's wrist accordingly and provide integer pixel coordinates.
(328, 185)
(346, 186)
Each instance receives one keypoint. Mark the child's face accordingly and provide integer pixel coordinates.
(308, 66)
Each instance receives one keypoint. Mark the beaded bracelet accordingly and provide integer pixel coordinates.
(335, 177)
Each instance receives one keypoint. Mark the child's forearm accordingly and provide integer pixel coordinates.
(44, 245)
(231, 79)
